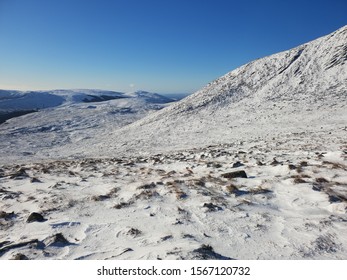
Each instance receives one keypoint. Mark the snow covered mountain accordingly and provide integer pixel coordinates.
(301, 89)
(11, 100)
(252, 166)
(150, 97)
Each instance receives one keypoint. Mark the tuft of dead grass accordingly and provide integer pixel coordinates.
(321, 180)
(335, 165)
(298, 180)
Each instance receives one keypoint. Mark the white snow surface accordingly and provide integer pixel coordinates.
(157, 185)
(69, 122)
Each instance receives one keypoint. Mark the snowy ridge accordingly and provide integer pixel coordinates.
(33, 100)
(150, 97)
(316, 70)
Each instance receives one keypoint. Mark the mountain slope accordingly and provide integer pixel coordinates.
(316, 70)
(303, 89)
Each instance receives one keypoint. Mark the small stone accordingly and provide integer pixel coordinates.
(291, 166)
(100, 197)
(237, 164)
(217, 165)
(134, 232)
(35, 180)
(20, 257)
(212, 207)
(166, 238)
(275, 162)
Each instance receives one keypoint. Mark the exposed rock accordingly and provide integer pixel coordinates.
(134, 232)
(35, 217)
(57, 240)
(19, 174)
(35, 180)
(206, 252)
(4, 243)
(147, 186)
(100, 197)
(20, 257)
(291, 167)
(166, 238)
(212, 207)
(275, 162)
(4, 249)
(188, 236)
(7, 216)
(237, 164)
(317, 187)
(235, 174)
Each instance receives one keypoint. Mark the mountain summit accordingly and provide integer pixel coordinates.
(312, 71)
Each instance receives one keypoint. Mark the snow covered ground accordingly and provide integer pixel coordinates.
(253, 166)
(185, 205)
(80, 116)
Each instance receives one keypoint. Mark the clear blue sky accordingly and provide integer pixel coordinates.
(166, 46)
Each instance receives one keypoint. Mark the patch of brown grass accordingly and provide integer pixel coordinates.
(123, 205)
(259, 190)
(298, 179)
(146, 194)
(232, 188)
(335, 165)
(321, 180)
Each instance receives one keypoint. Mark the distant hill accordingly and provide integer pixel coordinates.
(16, 103)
